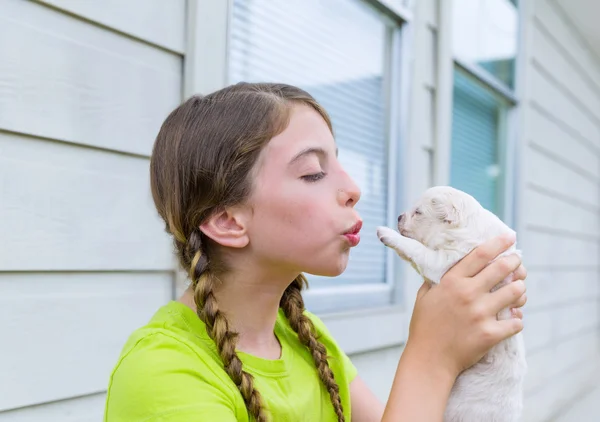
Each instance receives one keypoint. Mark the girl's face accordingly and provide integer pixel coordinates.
(303, 200)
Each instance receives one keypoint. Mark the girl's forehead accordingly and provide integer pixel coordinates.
(306, 129)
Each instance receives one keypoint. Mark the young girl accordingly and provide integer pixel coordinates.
(249, 186)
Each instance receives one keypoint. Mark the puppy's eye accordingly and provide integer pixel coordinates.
(418, 212)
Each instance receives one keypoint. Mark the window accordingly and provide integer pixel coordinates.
(485, 50)
(341, 52)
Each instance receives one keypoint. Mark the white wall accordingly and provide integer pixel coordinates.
(560, 210)
(83, 258)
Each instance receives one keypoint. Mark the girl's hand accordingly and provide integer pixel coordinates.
(454, 324)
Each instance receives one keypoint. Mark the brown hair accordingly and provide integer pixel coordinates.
(201, 163)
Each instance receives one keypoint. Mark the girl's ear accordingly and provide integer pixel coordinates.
(227, 228)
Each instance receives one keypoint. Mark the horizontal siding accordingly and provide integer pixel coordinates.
(553, 174)
(65, 207)
(548, 326)
(552, 251)
(549, 53)
(62, 332)
(561, 390)
(159, 22)
(560, 215)
(79, 409)
(547, 212)
(550, 288)
(550, 136)
(548, 14)
(549, 364)
(81, 83)
(547, 92)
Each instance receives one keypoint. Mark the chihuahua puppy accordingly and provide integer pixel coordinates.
(443, 227)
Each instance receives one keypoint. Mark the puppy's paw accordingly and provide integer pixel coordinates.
(388, 236)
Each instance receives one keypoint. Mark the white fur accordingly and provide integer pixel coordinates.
(443, 227)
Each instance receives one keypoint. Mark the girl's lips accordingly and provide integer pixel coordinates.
(353, 238)
(352, 234)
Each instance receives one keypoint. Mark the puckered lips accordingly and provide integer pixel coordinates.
(352, 234)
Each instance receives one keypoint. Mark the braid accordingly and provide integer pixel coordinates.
(293, 307)
(218, 329)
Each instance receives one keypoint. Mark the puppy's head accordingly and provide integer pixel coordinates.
(439, 217)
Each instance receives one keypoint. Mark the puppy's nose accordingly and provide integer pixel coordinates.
(400, 217)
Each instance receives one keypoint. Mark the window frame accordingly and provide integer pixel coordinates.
(206, 63)
(508, 143)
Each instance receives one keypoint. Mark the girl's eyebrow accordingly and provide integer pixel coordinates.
(311, 150)
(308, 151)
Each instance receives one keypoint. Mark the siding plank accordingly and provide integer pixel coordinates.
(543, 210)
(546, 327)
(547, 288)
(548, 135)
(544, 403)
(161, 22)
(551, 18)
(550, 96)
(62, 332)
(553, 363)
(549, 250)
(551, 174)
(65, 207)
(551, 56)
(80, 83)
(80, 409)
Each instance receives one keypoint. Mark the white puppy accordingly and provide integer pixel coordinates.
(443, 227)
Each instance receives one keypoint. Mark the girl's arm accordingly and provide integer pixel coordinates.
(453, 325)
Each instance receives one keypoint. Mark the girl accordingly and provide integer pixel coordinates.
(248, 184)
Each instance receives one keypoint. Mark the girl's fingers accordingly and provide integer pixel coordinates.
(520, 273)
(516, 313)
(481, 256)
(507, 328)
(507, 296)
(521, 302)
(497, 271)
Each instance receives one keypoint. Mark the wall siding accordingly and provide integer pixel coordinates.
(84, 259)
(560, 213)
(81, 83)
(79, 409)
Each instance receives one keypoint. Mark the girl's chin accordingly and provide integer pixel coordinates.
(330, 270)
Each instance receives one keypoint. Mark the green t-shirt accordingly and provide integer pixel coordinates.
(169, 370)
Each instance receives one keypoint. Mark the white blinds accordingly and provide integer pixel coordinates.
(334, 49)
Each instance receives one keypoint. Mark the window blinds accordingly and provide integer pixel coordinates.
(475, 165)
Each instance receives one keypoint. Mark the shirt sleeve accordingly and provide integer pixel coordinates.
(333, 349)
(164, 380)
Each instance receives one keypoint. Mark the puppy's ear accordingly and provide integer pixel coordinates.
(445, 210)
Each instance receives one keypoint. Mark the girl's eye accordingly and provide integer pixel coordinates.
(313, 177)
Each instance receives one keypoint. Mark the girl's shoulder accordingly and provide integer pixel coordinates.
(166, 365)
